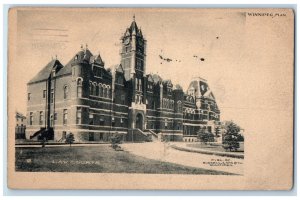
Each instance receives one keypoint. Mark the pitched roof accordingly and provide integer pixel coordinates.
(168, 82)
(133, 27)
(156, 78)
(119, 68)
(83, 56)
(178, 87)
(133, 30)
(150, 78)
(44, 73)
(199, 85)
(209, 94)
(97, 59)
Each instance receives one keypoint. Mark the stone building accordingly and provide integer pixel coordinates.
(94, 102)
(20, 126)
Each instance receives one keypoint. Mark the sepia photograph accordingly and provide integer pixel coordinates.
(150, 98)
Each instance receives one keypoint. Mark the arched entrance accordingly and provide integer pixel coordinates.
(139, 121)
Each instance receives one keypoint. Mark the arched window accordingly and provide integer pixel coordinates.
(100, 90)
(79, 87)
(179, 106)
(91, 88)
(66, 92)
(108, 92)
(97, 90)
(94, 88)
(104, 91)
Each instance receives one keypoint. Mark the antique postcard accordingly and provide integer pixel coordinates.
(150, 98)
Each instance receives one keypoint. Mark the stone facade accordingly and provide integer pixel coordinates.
(94, 102)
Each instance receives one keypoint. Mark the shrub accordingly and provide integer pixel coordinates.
(205, 136)
(70, 138)
(232, 137)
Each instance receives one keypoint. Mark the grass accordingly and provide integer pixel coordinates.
(98, 159)
(212, 147)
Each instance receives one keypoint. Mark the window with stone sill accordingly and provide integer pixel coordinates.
(41, 117)
(66, 92)
(65, 116)
(78, 115)
(79, 88)
(100, 90)
(101, 121)
(44, 94)
(31, 118)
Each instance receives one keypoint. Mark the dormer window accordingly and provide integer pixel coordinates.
(76, 57)
(53, 72)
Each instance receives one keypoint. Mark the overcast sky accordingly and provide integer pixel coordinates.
(237, 52)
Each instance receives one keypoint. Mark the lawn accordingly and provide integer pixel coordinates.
(212, 147)
(95, 159)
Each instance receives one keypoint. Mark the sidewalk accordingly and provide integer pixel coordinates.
(183, 147)
(164, 152)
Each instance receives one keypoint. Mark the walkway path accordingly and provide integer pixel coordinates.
(164, 152)
(183, 147)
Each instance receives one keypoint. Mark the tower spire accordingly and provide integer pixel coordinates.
(134, 17)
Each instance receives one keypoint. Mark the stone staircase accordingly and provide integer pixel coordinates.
(154, 136)
(43, 133)
(137, 135)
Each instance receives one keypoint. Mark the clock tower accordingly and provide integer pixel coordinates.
(133, 62)
(133, 52)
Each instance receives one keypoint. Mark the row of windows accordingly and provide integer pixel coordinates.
(44, 94)
(138, 84)
(189, 99)
(138, 99)
(189, 110)
(101, 90)
(167, 103)
(52, 118)
(42, 117)
(150, 86)
(65, 118)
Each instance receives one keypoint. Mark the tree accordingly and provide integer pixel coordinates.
(232, 136)
(205, 136)
(70, 138)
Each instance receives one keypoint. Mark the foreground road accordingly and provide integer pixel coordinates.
(164, 152)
